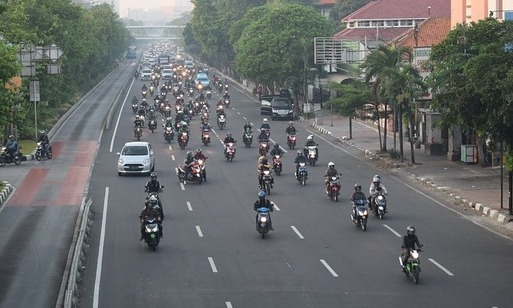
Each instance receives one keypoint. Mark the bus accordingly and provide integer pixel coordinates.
(131, 52)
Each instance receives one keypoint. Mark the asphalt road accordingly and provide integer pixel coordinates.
(211, 255)
(37, 224)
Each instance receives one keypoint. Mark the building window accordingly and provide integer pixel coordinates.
(351, 24)
(406, 23)
(378, 23)
(363, 24)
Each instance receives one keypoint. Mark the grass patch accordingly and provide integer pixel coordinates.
(27, 146)
(2, 185)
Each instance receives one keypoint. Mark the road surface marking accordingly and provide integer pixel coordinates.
(228, 305)
(172, 157)
(200, 234)
(182, 186)
(170, 148)
(119, 117)
(329, 268)
(393, 231)
(441, 267)
(297, 232)
(189, 206)
(212, 264)
(276, 207)
(96, 293)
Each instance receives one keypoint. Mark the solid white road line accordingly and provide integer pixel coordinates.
(297, 232)
(329, 268)
(189, 206)
(441, 267)
(119, 117)
(228, 305)
(212, 264)
(96, 293)
(198, 229)
(393, 231)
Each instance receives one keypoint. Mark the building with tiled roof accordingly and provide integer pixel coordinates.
(428, 33)
(325, 6)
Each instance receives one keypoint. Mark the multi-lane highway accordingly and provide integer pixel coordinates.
(212, 256)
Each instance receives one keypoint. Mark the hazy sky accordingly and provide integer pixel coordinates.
(125, 5)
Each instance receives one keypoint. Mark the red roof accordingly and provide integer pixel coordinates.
(431, 32)
(401, 9)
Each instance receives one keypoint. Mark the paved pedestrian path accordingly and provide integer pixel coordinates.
(474, 187)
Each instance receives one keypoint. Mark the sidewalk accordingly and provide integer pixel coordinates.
(471, 186)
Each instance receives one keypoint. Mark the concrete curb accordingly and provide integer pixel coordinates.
(484, 210)
(5, 193)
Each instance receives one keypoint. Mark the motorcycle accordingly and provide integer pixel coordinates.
(263, 148)
(194, 175)
(197, 108)
(263, 225)
(227, 102)
(302, 173)
(380, 206)
(205, 136)
(360, 213)
(266, 182)
(333, 189)
(183, 140)
(152, 125)
(221, 121)
(277, 166)
(204, 117)
(412, 266)
(203, 172)
(152, 90)
(168, 133)
(138, 133)
(191, 92)
(167, 111)
(248, 137)
(7, 158)
(41, 152)
(291, 141)
(151, 232)
(230, 151)
(144, 93)
(312, 155)
(209, 94)
(135, 107)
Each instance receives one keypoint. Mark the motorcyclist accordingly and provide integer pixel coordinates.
(144, 104)
(309, 143)
(156, 204)
(300, 158)
(376, 187)
(183, 127)
(144, 88)
(265, 126)
(226, 96)
(357, 195)
(134, 100)
(199, 155)
(150, 211)
(247, 126)
(263, 202)
(290, 130)
(169, 122)
(153, 185)
(205, 126)
(179, 116)
(263, 136)
(189, 160)
(263, 166)
(138, 122)
(277, 150)
(410, 240)
(12, 145)
(45, 142)
(228, 139)
(330, 172)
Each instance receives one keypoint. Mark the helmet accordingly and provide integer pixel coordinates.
(198, 150)
(299, 153)
(137, 117)
(189, 153)
(357, 187)
(228, 135)
(331, 165)
(376, 179)
(310, 137)
(153, 176)
(410, 230)
(261, 195)
(11, 137)
(291, 124)
(169, 118)
(265, 120)
(42, 132)
(264, 161)
(276, 145)
(153, 199)
(262, 130)
(248, 123)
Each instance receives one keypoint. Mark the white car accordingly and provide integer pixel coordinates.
(146, 74)
(167, 74)
(136, 157)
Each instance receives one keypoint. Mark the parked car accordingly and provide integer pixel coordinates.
(136, 157)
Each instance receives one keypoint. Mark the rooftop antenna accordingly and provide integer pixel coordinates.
(429, 11)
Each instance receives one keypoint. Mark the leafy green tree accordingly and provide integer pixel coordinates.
(346, 7)
(9, 67)
(274, 48)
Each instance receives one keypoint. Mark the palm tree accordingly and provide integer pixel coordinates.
(381, 67)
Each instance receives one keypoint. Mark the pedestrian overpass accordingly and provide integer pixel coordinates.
(156, 32)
